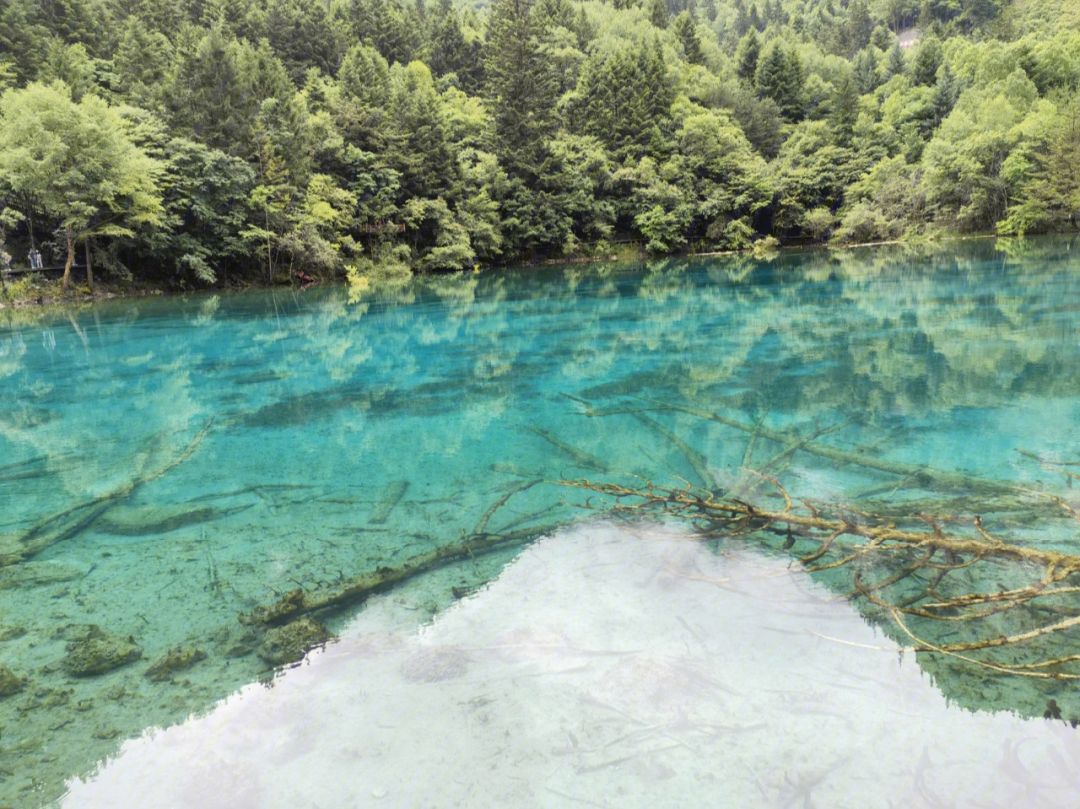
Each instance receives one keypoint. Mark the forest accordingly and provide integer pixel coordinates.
(222, 142)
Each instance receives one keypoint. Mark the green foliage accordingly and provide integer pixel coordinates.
(451, 53)
(747, 54)
(685, 30)
(865, 71)
(624, 98)
(895, 64)
(521, 85)
(76, 162)
(206, 196)
(964, 161)
(417, 133)
(1047, 176)
(927, 61)
(658, 13)
(258, 139)
(779, 76)
(72, 65)
(818, 223)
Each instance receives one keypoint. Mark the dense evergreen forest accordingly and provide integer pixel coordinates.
(195, 142)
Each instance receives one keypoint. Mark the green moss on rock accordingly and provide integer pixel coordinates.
(10, 682)
(289, 643)
(176, 659)
(95, 651)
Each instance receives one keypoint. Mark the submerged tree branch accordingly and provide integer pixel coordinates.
(72, 521)
(925, 573)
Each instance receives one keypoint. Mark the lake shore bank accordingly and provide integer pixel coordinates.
(31, 293)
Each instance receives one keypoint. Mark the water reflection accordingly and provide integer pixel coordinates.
(345, 436)
(610, 667)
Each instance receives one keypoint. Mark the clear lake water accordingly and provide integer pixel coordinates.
(167, 465)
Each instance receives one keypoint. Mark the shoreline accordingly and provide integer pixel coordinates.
(47, 298)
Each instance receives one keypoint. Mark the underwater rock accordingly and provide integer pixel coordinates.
(97, 652)
(289, 604)
(230, 642)
(176, 659)
(289, 643)
(38, 574)
(8, 632)
(46, 698)
(10, 682)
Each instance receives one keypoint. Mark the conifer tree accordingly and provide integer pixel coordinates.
(685, 29)
(779, 76)
(895, 64)
(658, 13)
(521, 86)
(859, 26)
(865, 71)
(844, 110)
(746, 55)
(927, 61)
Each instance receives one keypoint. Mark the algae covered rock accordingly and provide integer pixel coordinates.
(286, 606)
(234, 641)
(95, 651)
(11, 632)
(176, 659)
(289, 643)
(10, 683)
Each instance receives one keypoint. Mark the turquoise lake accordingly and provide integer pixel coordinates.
(168, 465)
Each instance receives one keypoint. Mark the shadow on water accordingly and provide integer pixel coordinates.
(350, 440)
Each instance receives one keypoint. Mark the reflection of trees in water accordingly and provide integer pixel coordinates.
(877, 331)
(151, 413)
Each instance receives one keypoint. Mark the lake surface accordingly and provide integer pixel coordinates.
(167, 466)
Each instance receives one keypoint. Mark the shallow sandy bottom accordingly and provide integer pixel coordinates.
(607, 666)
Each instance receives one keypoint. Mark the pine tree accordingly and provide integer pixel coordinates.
(895, 64)
(387, 26)
(779, 76)
(624, 99)
(421, 151)
(685, 29)
(844, 110)
(302, 36)
(927, 60)
(859, 26)
(755, 19)
(658, 13)
(448, 52)
(521, 86)
(742, 19)
(746, 55)
(865, 71)
(365, 75)
(946, 92)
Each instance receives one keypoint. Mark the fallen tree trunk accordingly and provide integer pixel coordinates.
(300, 602)
(921, 475)
(72, 521)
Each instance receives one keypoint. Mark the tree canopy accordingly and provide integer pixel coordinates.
(207, 142)
(76, 162)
